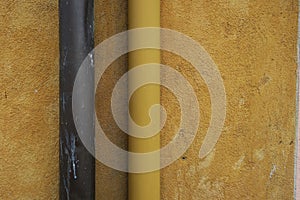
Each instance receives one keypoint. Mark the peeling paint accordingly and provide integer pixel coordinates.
(206, 162)
(238, 164)
(272, 172)
(259, 154)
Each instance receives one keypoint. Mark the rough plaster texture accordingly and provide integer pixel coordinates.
(252, 42)
(110, 18)
(254, 45)
(29, 100)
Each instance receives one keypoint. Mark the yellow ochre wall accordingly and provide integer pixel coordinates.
(253, 43)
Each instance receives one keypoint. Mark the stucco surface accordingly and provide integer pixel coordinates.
(253, 44)
(29, 99)
(110, 19)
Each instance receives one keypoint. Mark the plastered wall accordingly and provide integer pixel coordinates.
(253, 42)
(29, 100)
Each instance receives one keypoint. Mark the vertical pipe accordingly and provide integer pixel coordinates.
(143, 13)
(77, 165)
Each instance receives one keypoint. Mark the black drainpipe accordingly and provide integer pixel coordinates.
(76, 37)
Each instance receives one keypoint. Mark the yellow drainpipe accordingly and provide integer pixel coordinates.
(144, 186)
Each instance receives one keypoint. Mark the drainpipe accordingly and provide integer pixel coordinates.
(145, 186)
(77, 165)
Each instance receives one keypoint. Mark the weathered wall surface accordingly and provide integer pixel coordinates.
(252, 42)
(110, 19)
(29, 99)
(254, 45)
